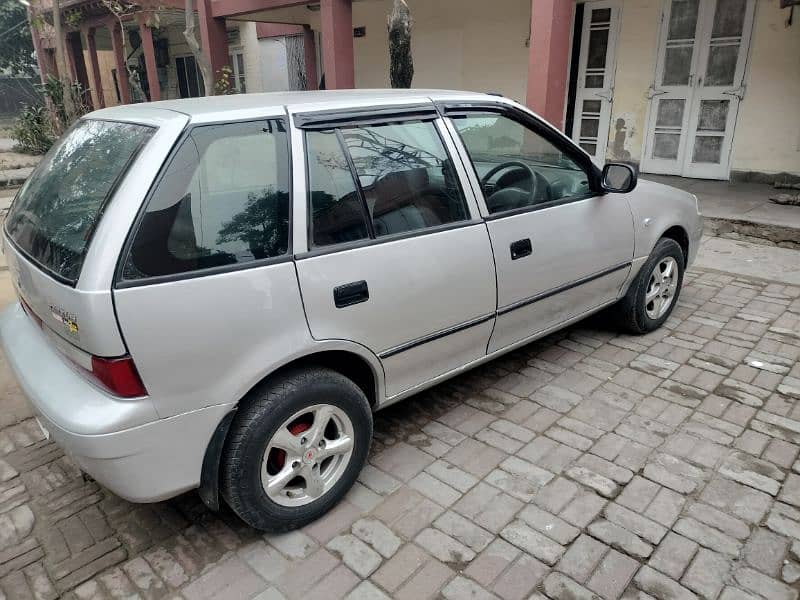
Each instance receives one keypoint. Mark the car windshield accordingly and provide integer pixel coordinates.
(56, 211)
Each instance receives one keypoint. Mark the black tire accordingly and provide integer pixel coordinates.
(631, 311)
(260, 415)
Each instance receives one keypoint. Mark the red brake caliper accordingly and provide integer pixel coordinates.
(278, 455)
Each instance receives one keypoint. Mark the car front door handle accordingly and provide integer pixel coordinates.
(521, 248)
(351, 293)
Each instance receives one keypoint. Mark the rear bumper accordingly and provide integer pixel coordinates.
(121, 443)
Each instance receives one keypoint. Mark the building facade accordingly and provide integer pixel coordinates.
(697, 88)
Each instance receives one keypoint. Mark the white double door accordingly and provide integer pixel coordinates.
(697, 88)
(594, 92)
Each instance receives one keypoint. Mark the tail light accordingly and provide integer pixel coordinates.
(119, 376)
(116, 375)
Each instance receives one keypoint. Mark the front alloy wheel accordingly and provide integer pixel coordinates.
(661, 288)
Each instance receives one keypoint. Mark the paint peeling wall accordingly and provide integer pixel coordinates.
(636, 61)
(767, 137)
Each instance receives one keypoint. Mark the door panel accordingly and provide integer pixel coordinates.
(418, 286)
(698, 85)
(597, 63)
(572, 242)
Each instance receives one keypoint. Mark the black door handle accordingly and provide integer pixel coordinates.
(350, 293)
(521, 248)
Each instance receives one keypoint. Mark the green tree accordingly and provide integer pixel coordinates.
(16, 45)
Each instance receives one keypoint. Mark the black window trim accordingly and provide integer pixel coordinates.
(111, 192)
(119, 282)
(542, 128)
(372, 239)
(365, 115)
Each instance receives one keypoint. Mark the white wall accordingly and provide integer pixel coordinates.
(767, 136)
(274, 74)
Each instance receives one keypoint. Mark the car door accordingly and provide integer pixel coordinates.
(561, 249)
(397, 259)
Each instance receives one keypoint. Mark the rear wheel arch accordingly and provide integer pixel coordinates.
(349, 364)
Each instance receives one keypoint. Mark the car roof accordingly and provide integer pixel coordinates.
(241, 106)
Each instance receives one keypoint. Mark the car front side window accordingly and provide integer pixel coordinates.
(518, 167)
(223, 200)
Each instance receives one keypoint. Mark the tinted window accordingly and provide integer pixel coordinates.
(546, 174)
(337, 214)
(57, 209)
(223, 200)
(407, 178)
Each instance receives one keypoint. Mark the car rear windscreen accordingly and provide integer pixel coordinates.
(56, 211)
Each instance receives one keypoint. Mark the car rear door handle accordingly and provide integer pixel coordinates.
(521, 248)
(351, 293)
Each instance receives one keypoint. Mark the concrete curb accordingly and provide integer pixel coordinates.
(752, 231)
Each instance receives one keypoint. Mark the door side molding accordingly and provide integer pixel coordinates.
(562, 288)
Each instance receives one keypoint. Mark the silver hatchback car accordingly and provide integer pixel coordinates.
(217, 293)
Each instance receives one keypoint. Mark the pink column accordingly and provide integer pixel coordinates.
(337, 44)
(94, 68)
(149, 57)
(548, 58)
(310, 49)
(119, 58)
(213, 40)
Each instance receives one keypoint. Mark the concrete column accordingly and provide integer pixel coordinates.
(310, 49)
(337, 44)
(149, 57)
(119, 59)
(94, 68)
(213, 40)
(548, 58)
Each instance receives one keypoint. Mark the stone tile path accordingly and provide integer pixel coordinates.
(586, 465)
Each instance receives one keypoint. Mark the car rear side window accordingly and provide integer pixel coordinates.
(337, 213)
(223, 200)
(404, 181)
(56, 211)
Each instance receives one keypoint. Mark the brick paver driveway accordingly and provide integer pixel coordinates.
(588, 464)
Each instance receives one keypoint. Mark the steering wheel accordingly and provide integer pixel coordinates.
(501, 199)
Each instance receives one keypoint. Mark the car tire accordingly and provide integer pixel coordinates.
(314, 472)
(654, 293)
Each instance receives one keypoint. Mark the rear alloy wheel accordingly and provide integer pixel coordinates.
(307, 455)
(654, 292)
(295, 447)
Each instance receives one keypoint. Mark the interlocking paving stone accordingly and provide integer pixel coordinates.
(587, 464)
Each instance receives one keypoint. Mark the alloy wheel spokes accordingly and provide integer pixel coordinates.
(661, 288)
(307, 455)
(338, 446)
(276, 484)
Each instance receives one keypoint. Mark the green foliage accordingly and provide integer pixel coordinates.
(16, 45)
(73, 19)
(38, 126)
(223, 86)
(33, 131)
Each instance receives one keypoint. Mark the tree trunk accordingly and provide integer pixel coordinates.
(401, 64)
(61, 65)
(194, 46)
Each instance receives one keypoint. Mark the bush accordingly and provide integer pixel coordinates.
(32, 130)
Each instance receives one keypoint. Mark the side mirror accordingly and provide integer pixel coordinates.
(619, 178)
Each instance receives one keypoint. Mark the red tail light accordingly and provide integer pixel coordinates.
(119, 376)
